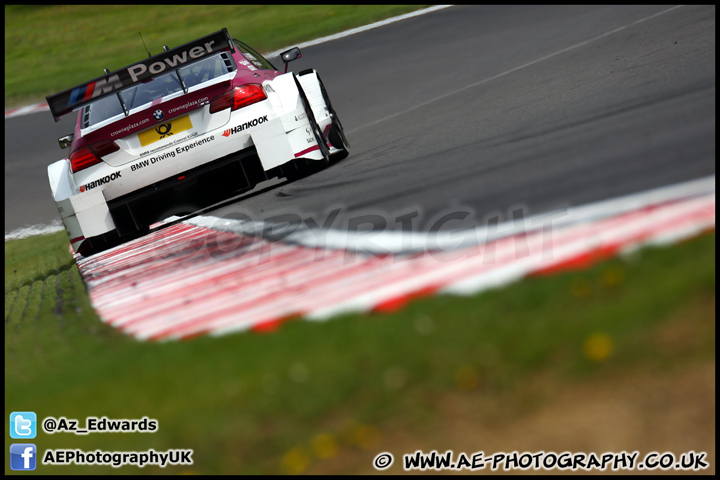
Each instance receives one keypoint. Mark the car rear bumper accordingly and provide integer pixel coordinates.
(188, 192)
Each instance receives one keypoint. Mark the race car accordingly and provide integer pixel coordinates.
(183, 130)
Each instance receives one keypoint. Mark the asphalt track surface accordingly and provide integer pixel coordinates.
(477, 109)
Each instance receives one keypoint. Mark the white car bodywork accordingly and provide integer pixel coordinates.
(278, 128)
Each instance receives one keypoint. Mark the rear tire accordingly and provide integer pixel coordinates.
(106, 241)
(91, 246)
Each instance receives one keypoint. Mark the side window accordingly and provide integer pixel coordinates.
(254, 58)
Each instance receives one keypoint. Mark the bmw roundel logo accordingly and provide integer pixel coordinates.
(158, 115)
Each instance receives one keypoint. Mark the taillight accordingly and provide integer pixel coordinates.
(85, 157)
(238, 97)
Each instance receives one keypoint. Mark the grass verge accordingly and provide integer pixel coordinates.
(290, 400)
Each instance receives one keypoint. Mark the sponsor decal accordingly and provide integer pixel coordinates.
(245, 126)
(177, 140)
(197, 143)
(100, 181)
(130, 127)
(249, 65)
(198, 103)
(302, 116)
(171, 154)
(140, 71)
(151, 161)
(311, 138)
(94, 89)
(164, 130)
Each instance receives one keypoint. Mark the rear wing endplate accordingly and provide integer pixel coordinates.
(65, 102)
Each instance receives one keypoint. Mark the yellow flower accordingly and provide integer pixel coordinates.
(295, 461)
(598, 347)
(365, 436)
(324, 446)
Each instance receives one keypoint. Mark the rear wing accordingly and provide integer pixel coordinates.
(65, 102)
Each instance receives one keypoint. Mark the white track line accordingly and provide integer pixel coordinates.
(32, 230)
(362, 29)
(16, 112)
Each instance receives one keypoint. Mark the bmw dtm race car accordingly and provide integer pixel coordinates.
(183, 130)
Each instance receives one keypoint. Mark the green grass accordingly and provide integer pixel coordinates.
(50, 48)
(253, 403)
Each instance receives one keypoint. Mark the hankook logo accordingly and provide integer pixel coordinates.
(100, 181)
(245, 126)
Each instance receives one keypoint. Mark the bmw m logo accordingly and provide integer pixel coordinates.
(158, 115)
